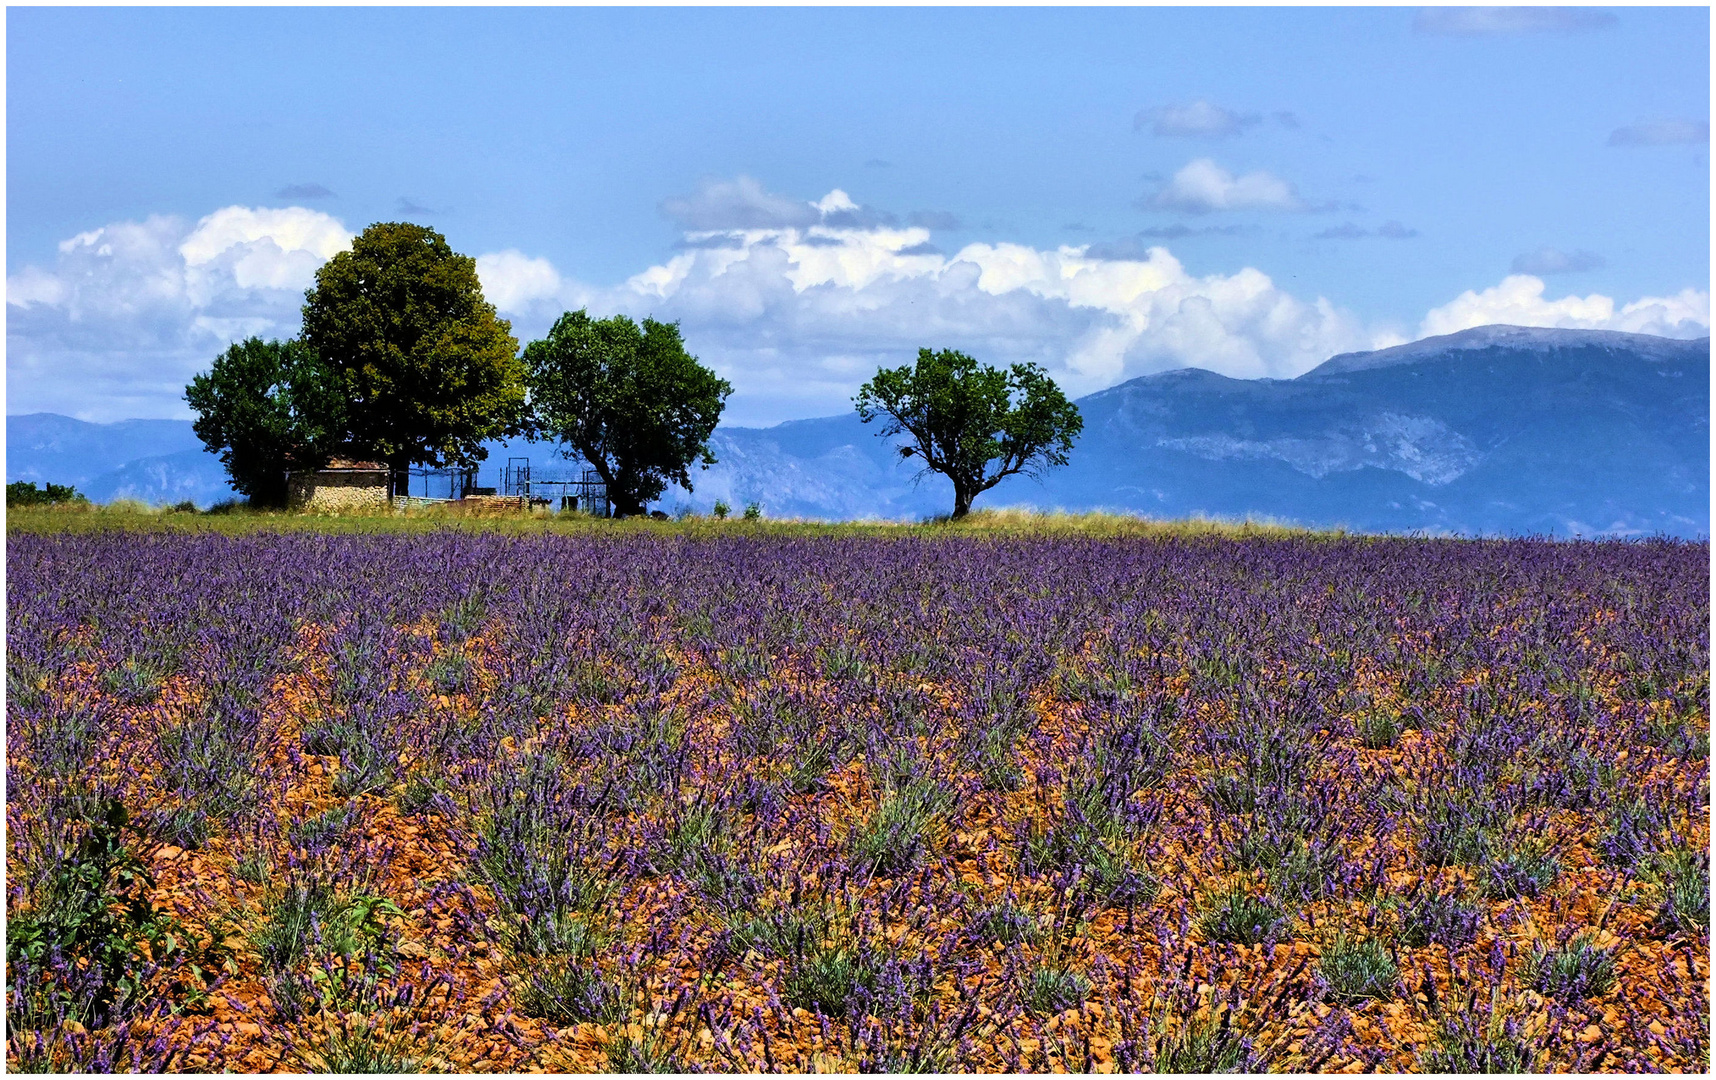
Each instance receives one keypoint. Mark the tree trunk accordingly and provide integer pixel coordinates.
(961, 501)
(624, 502)
(399, 476)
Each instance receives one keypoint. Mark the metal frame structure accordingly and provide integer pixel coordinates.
(587, 493)
(456, 482)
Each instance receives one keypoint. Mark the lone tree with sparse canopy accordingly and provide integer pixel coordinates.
(972, 423)
(631, 401)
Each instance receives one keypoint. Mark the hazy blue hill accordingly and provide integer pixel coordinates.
(1494, 430)
(196, 475)
(49, 448)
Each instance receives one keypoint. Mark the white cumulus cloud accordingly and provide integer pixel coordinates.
(1203, 186)
(513, 281)
(796, 317)
(1519, 301)
(127, 313)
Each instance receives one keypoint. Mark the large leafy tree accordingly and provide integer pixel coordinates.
(427, 369)
(265, 407)
(627, 399)
(972, 423)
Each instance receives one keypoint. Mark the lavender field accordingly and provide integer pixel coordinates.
(641, 801)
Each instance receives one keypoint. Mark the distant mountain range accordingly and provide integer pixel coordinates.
(157, 461)
(1497, 430)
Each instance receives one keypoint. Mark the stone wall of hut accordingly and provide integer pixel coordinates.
(334, 492)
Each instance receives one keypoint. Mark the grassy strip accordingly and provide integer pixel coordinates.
(1013, 522)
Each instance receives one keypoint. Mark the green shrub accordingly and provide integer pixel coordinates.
(25, 493)
(1358, 969)
(314, 916)
(1685, 877)
(564, 990)
(1379, 729)
(80, 949)
(1054, 988)
(1199, 1044)
(1234, 915)
(1572, 972)
(899, 830)
(1523, 869)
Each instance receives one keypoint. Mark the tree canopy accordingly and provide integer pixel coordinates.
(972, 423)
(426, 369)
(629, 400)
(265, 407)
(26, 493)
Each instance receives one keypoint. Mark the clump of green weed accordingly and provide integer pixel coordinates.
(1355, 969)
(1573, 971)
(1233, 914)
(899, 831)
(1052, 988)
(1428, 916)
(1522, 869)
(81, 947)
(1379, 729)
(1005, 922)
(1685, 877)
(307, 915)
(1473, 1039)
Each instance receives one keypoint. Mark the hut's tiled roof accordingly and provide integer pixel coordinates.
(348, 465)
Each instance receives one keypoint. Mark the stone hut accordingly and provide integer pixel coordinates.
(341, 485)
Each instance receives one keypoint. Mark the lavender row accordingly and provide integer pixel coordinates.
(909, 787)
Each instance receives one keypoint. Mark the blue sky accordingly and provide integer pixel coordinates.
(815, 192)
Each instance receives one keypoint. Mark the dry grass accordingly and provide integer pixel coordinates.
(1008, 522)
